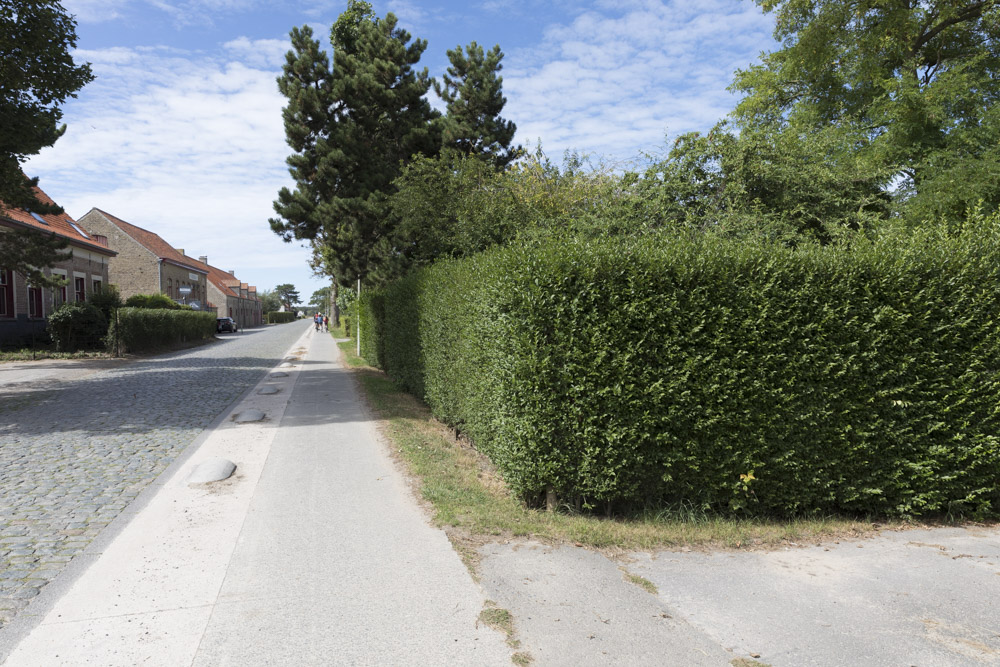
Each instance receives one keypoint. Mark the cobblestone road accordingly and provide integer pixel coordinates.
(74, 455)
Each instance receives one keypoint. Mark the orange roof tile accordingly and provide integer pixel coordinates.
(155, 244)
(223, 280)
(61, 225)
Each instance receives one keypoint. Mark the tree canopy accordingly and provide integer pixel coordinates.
(912, 87)
(472, 91)
(287, 295)
(37, 74)
(352, 127)
(356, 126)
(320, 298)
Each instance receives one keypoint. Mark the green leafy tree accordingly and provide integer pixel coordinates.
(37, 74)
(473, 92)
(320, 299)
(351, 128)
(788, 186)
(287, 295)
(913, 85)
(269, 301)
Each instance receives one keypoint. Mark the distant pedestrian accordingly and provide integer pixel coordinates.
(326, 323)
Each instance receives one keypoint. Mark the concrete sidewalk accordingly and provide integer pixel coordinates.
(313, 553)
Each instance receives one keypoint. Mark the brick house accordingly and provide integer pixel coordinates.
(146, 264)
(231, 297)
(24, 308)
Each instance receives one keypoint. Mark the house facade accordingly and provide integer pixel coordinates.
(24, 307)
(146, 264)
(232, 298)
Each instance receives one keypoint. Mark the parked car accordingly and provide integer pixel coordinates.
(225, 324)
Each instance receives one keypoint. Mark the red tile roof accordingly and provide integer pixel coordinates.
(61, 225)
(152, 242)
(223, 280)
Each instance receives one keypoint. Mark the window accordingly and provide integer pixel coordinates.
(97, 287)
(81, 292)
(6, 293)
(35, 302)
(58, 296)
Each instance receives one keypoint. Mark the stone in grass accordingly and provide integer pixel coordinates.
(211, 470)
(267, 391)
(251, 415)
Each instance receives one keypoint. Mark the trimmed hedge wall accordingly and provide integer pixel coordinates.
(144, 329)
(280, 317)
(735, 376)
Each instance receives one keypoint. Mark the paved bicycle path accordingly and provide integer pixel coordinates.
(314, 553)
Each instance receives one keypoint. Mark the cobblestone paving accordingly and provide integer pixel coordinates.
(74, 456)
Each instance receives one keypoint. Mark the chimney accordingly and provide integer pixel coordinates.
(203, 259)
(180, 250)
(232, 272)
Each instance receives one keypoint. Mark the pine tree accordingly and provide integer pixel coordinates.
(37, 74)
(472, 90)
(352, 127)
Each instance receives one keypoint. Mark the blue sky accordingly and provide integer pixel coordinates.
(181, 131)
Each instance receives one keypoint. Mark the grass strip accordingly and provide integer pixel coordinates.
(470, 501)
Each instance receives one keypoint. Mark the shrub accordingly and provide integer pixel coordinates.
(145, 329)
(160, 301)
(744, 377)
(277, 317)
(76, 326)
(107, 300)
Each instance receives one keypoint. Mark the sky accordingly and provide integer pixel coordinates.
(181, 133)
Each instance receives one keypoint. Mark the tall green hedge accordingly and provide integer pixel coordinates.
(144, 329)
(735, 376)
(279, 317)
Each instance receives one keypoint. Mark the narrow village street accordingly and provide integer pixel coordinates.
(315, 552)
(77, 447)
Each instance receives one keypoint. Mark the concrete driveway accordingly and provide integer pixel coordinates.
(916, 597)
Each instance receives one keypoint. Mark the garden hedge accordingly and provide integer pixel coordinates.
(735, 376)
(279, 317)
(144, 329)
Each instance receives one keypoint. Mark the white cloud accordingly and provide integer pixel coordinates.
(188, 146)
(262, 53)
(95, 11)
(618, 77)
